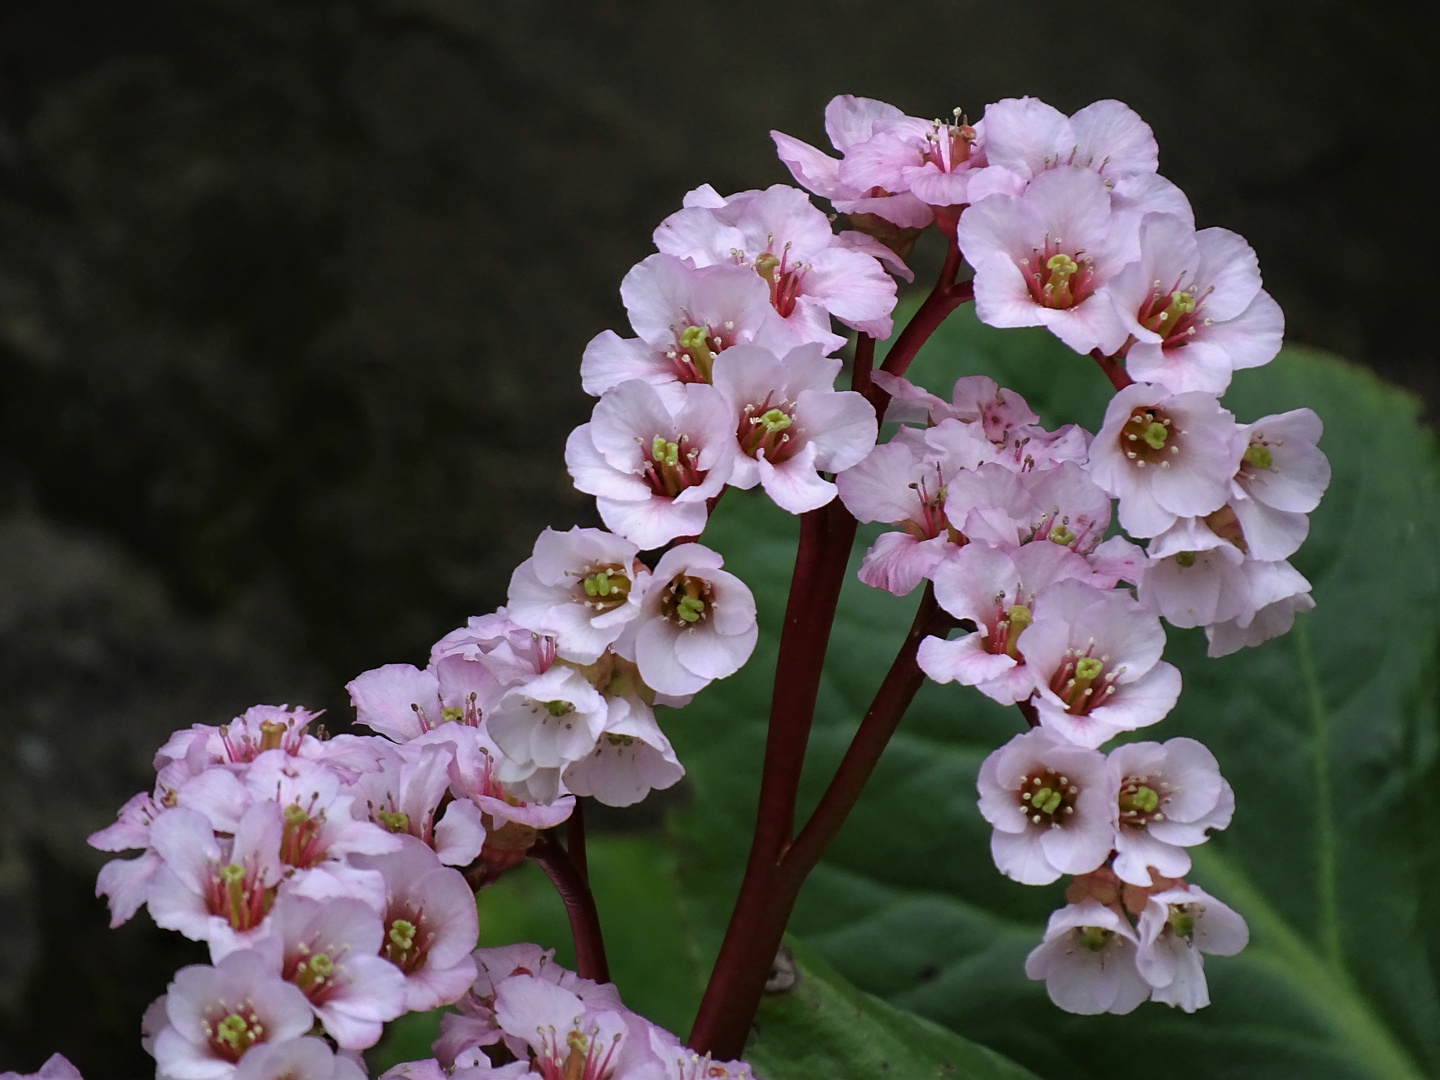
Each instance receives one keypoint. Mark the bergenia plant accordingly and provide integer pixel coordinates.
(335, 881)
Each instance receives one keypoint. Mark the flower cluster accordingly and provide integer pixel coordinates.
(526, 1014)
(333, 879)
(1068, 225)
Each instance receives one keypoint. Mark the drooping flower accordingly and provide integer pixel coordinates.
(1176, 928)
(1088, 961)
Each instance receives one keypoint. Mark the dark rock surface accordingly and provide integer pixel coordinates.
(292, 298)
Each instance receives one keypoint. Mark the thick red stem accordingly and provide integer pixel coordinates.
(1113, 369)
(579, 906)
(896, 692)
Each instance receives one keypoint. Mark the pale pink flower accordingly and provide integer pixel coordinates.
(651, 467)
(852, 121)
(430, 924)
(933, 160)
(260, 728)
(1042, 258)
(404, 796)
(216, 1014)
(1052, 805)
(216, 888)
(542, 726)
(1088, 961)
(898, 485)
(697, 623)
(56, 1067)
(1194, 305)
(475, 1024)
(812, 273)
(1165, 456)
(568, 1037)
(319, 825)
(684, 317)
(1170, 794)
(631, 758)
(330, 951)
(1196, 577)
(682, 1063)
(1278, 592)
(996, 590)
(1025, 137)
(1281, 478)
(580, 587)
(1176, 928)
(1095, 658)
(297, 1059)
(403, 703)
(792, 424)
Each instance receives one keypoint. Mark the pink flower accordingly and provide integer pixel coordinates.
(631, 758)
(1095, 658)
(1170, 794)
(581, 587)
(897, 485)
(1028, 137)
(329, 950)
(697, 623)
(1042, 258)
(1194, 305)
(995, 589)
(569, 1038)
(213, 888)
(792, 424)
(851, 122)
(1176, 927)
(685, 317)
(216, 1014)
(430, 924)
(812, 273)
(297, 1059)
(261, 728)
(1196, 577)
(1281, 478)
(651, 467)
(542, 726)
(56, 1067)
(1278, 592)
(1052, 805)
(404, 798)
(1088, 961)
(1165, 456)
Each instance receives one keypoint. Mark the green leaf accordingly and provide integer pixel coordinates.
(1329, 736)
(821, 1026)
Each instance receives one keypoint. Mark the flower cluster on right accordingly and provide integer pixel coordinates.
(1068, 225)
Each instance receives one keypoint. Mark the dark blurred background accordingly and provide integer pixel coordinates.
(292, 299)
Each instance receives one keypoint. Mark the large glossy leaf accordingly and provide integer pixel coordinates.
(818, 1025)
(1328, 735)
